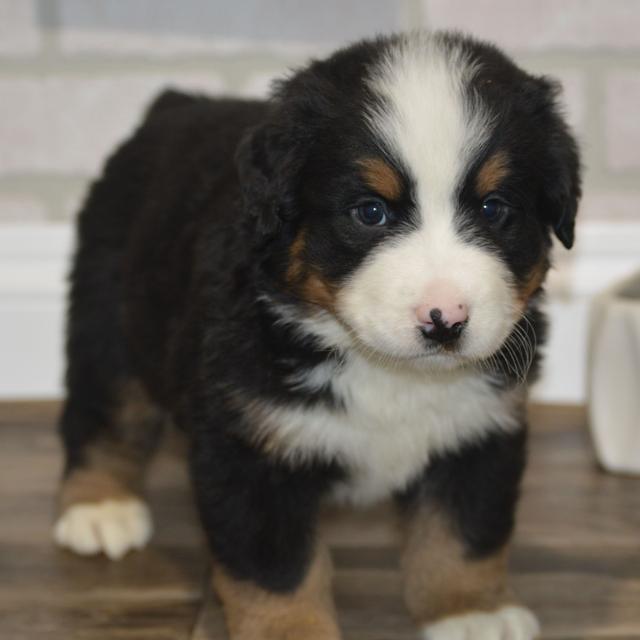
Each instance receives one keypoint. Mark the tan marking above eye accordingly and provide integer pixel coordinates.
(491, 174)
(381, 177)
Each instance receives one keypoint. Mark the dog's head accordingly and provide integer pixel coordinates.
(409, 187)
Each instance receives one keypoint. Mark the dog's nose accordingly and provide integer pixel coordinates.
(443, 319)
(445, 328)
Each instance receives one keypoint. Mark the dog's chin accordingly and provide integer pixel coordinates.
(413, 354)
(441, 361)
(425, 358)
(416, 358)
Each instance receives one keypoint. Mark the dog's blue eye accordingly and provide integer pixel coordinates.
(494, 208)
(373, 214)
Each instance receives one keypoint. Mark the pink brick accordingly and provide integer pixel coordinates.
(67, 124)
(121, 42)
(541, 24)
(21, 209)
(610, 205)
(19, 33)
(115, 43)
(162, 28)
(622, 118)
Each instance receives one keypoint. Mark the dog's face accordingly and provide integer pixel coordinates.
(410, 186)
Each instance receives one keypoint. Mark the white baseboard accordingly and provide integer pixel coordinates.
(34, 262)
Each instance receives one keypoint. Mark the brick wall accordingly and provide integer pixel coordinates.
(74, 75)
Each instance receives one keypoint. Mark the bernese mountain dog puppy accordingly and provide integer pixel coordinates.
(336, 294)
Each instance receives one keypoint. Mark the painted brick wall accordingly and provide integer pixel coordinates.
(74, 75)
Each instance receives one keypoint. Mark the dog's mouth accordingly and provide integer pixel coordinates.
(428, 356)
(417, 352)
(434, 356)
(335, 332)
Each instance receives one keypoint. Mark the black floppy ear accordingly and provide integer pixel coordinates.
(255, 171)
(561, 188)
(264, 161)
(270, 156)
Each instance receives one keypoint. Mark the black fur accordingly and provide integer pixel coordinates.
(258, 513)
(478, 489)
(190, 227)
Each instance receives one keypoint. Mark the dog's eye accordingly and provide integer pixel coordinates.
(373, 213)
(495, 208)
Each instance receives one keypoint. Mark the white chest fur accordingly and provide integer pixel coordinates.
(393, 421)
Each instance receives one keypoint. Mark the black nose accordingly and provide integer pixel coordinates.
(440, 331)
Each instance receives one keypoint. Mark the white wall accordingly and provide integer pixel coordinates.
(34, 261)
(75, 74)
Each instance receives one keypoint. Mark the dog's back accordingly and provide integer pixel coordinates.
(165, 190)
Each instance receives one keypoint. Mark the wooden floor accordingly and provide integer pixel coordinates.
(576, 560)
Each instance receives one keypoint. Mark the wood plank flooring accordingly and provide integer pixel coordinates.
(576, 558)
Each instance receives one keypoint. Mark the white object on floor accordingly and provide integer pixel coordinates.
(507, 623)
(614, 376)
(113, 527)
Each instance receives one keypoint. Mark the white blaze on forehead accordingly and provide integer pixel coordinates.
(428, 117)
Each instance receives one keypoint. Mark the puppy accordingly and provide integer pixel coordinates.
(335, 293)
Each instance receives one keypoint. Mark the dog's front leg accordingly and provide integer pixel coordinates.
(305, 612)
(458, 521)
(270, 572)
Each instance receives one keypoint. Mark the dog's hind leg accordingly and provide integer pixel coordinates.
(101, 499)
(109, 425)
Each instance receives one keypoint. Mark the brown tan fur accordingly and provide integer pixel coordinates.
(296, 265)
(381, 177)
(114, 465)
(91, 485)
(306, 281)
(533, 282)
(305, 614)
(319, 291)
(492, 173)
(440, 580)
(269, 440)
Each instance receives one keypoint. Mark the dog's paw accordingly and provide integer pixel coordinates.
(113, 527)
(507, 623)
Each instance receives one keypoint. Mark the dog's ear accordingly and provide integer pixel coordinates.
(265, 160)
(271, 156)
(561, 182)
(562, 185)
(256, 162)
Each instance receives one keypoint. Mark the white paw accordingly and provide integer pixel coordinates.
(113, 527)
(508, 623)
